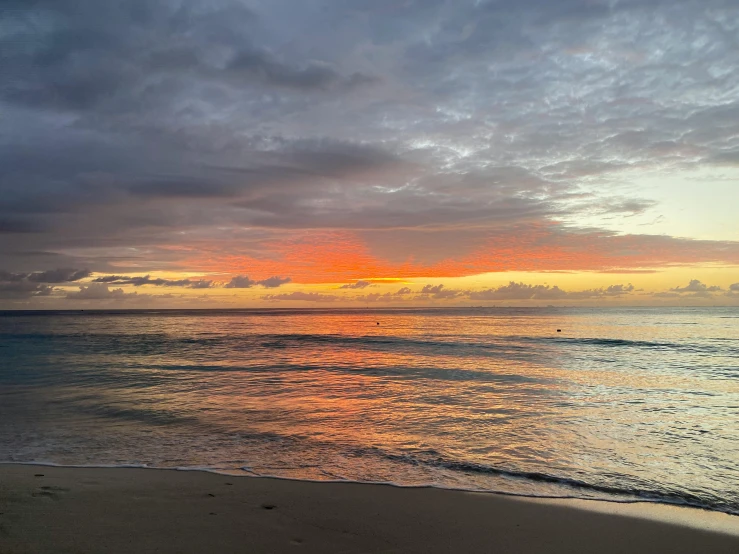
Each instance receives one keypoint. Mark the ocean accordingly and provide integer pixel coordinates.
(633, 404)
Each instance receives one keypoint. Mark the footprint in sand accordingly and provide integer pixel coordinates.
(48, 491)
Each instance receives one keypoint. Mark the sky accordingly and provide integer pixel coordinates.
(274, 153)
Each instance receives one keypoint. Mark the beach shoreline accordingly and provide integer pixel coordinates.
(62, 509)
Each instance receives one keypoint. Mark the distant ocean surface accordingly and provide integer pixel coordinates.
(623, 404)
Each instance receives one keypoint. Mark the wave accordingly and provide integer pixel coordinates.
(617, 342)
(497, 345)
(626, 343)
(651, 495)
(410, 373)
(615, 495)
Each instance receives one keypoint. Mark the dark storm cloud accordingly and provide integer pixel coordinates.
(130, 126)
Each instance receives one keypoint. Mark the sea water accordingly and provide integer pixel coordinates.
(623, 404)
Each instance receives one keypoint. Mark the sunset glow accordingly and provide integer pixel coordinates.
(252, 162)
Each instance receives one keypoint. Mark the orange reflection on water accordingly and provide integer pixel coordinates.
(489, 387)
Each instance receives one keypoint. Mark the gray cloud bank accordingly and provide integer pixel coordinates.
(62, 275)
(20, 286)
(511, 291)
(236, 282)
(519, 291)
(132, 127)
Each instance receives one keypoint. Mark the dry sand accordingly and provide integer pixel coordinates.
(50, 509)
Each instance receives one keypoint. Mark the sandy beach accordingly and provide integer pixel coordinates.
(52, 509)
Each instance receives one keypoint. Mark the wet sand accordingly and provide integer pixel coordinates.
(51, 509)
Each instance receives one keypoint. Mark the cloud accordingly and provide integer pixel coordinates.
(12, 277)
(377, 297)
(100, 291)
(274, 282)
(240, 282)
(522, 291)
(243, 282)
(331, 256)
(200, 284)
(511, 291)
(59, 275)
(62, 275)
(358, 285)
(167, 136)
(696, 286)
(519, 291)
(666, 295)
(439, 292)
(694, 289)
(303, 297)
(630, 271)
(15, 226)
(15, 290)
(734, 287)
(262, 66)
(432, 289)
(15, 286)
(629, 207)
(124, 280)
(401, 294)
(618, 290)
(158, 282)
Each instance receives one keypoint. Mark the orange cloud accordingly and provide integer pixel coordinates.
(340, 256)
